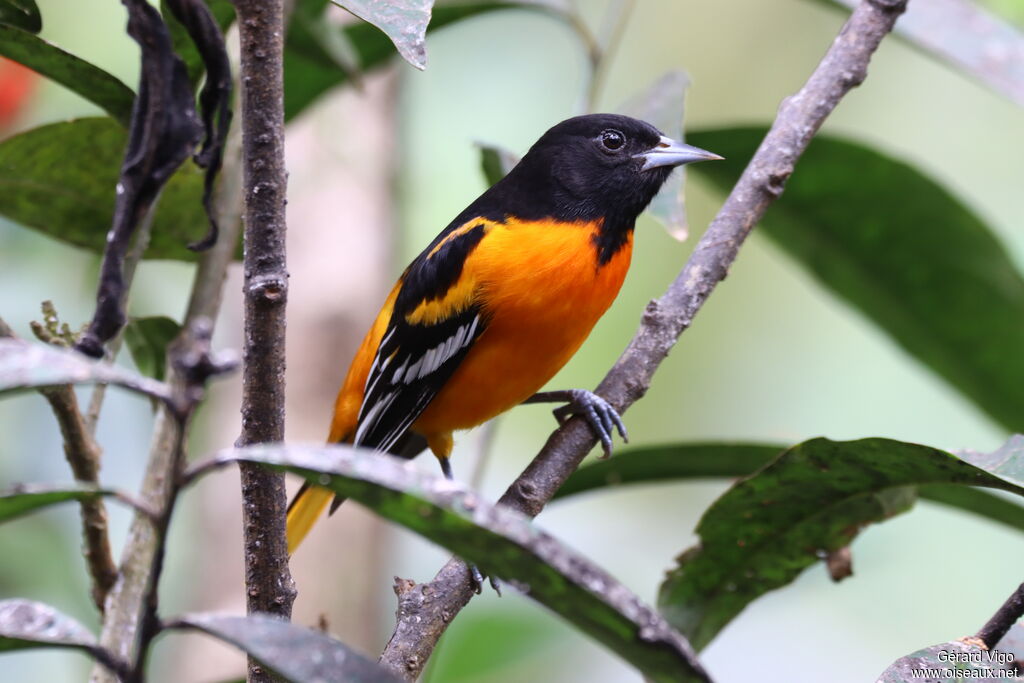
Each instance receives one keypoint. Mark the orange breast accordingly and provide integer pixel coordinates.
(544, 291)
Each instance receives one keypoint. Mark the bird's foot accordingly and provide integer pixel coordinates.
(598, 413)
(476, 579)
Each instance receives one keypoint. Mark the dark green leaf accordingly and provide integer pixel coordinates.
(678, 462)
(60, 179)
(906, 253)
(978, 502)
(968, 38)
(652, 464)
(946, 666)
(22, 500)
(310, 71)
(811, 500)
(495, 162)
(501, 542)
(147, 340)
(224, 14)
(23, 14)
(662, 105)
(77, 75)
(294, 652)
(25, 366)
(404, 22)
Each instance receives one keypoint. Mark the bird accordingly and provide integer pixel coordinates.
(502, 298)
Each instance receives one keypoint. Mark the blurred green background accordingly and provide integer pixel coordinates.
(772, 357)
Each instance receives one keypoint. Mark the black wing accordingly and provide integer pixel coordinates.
(415, 359)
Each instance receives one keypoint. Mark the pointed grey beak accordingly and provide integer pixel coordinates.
(668, 152)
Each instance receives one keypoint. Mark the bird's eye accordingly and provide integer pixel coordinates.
(612, 139)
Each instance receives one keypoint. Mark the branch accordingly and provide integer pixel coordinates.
(1001, 622)
(83, 454)
(126, 605)
(426, 610)
(268, 582)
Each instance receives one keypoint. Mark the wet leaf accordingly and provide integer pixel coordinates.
(25, 365)
(23, 14)
(662, 105)
(402, 21)
(77, 75)
(25, 624)
(812, 500)
(949, 663)
(906, 253)
(147, 340)
(500, 541)
(310, 70)
(296, 653)
(28, 624)
(968, 38)
(59, 180)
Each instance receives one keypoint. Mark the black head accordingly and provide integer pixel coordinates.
(599, 166)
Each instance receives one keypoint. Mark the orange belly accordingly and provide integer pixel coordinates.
(540, 313)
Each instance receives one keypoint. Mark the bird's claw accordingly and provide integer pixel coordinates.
(598, 413)
(476, 580)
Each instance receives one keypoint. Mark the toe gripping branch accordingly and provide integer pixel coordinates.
(598, 413)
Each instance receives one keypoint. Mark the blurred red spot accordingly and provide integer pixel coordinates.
(16, 84)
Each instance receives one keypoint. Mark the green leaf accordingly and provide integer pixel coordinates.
(949, 663)
(23, 14)
(147, 340)
(310, 71)
(662, 105)
(495, 162)
(223, 13)
(980, 503)
(669, 462)
(906, 253)
(811, 500)
(294, 652)
(77, 75)
(60, 180)
(25, 366)
(24, 499)
(677, 462)
(500, 541)
(968, 38)
(404, 22)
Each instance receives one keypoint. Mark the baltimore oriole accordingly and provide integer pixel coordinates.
(503, 297)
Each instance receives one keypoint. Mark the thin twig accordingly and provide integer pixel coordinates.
(427, 610)
(268, 582)
(1004, 618)
(83, 454)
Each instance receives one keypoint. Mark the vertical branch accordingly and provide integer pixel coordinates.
(269, 586)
